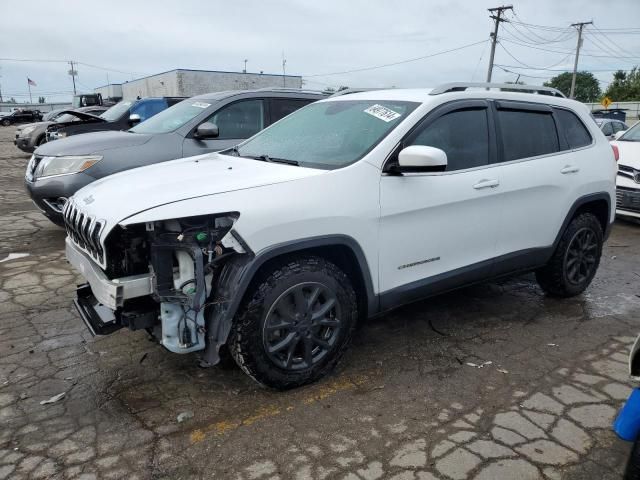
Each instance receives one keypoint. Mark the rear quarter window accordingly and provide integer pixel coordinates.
(571, 127)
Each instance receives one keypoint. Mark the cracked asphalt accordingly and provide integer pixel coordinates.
(492, 382)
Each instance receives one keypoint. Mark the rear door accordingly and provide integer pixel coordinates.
(236, 122)
(541, 165)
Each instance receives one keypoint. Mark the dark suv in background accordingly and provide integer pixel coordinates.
(202, 124)
(21, 116)
(121, 116)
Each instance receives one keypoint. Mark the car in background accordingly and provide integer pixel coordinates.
(21, 116)
(610, 127)
(121, 116)
(31, 136)
(628, 179)
(201, 124)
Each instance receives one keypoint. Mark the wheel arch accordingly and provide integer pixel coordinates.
(239, 275)
(598, 204)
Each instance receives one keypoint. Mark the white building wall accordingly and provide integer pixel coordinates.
(113, 90)
(187, 83)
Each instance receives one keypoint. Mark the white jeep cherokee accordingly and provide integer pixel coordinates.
(345, 209)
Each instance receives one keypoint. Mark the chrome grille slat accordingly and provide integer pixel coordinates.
(84, 230)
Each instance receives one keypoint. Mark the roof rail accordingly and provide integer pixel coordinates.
(462, 86)
(347, 91)
(286, 89)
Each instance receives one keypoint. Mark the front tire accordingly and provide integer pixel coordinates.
(632, 470)
(6, 123)
(295, 324)
(575, 260)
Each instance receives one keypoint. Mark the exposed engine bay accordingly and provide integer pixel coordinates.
(186, 258)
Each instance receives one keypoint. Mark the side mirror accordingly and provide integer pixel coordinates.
(420, 158)
(134, 118)
(618, 134)
(207, 130)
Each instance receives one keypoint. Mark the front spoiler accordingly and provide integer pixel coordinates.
(110, 293)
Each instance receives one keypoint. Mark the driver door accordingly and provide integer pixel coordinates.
(439, 229)
(236, 122)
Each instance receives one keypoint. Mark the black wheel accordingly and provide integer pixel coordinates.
(632, 472)
(6, 123)
(575, 260)
(295, 324)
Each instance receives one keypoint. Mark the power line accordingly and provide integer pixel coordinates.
(395, 63)
(529, 66)
(561, 69)
(559, 51)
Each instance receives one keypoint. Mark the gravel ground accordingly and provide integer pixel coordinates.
(404, 404)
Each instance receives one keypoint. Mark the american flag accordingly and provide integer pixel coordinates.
(31, 82)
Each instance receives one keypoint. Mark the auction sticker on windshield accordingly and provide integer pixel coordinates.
(200, 104)
(383, 113)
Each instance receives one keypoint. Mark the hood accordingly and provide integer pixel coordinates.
(629, 153)
(36, 124)
(82, 116)
(91, 143)
(117, 197)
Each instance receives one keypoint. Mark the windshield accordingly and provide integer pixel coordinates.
(632, 135)
(115, 112)
(328, 134)
(172, 118)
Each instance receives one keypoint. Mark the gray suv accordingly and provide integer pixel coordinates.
(199, 125)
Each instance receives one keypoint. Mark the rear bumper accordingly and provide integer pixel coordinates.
(109, 293)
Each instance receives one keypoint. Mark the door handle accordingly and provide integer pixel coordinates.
(569, 169)
(486, 184)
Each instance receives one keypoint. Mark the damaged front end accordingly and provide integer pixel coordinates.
(174, 278)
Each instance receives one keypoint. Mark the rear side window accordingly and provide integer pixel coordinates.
(575, 133)
(527, 134)
(463, 135)
(239, 120)
(281, 107)
(148, 108)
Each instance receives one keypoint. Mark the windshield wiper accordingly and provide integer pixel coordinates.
(267, 158)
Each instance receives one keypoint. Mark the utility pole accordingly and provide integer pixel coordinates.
(245, 66)
(284, 71)
(579, 26)
(496, 14)
(73, 74)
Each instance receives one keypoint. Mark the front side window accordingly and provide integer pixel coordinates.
(618, 126)
(239, 120)
(329, 134)
(527, 133)
(463, 135)
(607, 129)
(575, 133)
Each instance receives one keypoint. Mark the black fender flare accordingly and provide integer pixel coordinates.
(238, 273)
(576, 206)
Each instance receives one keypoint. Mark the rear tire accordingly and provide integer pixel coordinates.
(6, 123)
(295, 324)
(575, 260)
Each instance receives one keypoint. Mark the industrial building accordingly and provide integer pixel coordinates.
(113, 91)
(187, 83)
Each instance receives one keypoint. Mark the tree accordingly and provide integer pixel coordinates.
(331, 90)
(625, 86)
(587, 86)
(12, 100)
(42, 100)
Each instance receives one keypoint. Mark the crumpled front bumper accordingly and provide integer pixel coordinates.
(110, 293)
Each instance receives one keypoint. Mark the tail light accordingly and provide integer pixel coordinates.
(616, 152)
